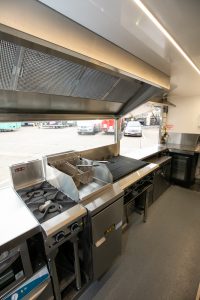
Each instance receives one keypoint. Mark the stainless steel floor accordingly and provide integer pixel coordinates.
(160, 259)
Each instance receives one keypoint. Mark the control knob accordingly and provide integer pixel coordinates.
(59, 236)
(75, 227)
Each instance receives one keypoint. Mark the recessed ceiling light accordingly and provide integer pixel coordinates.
(166, 33)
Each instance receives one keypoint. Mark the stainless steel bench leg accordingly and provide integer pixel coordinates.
(54, 275)
(146, 205)
(77, 263)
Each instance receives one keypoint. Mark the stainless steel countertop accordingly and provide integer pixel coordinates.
(145, 152)
(150, 151)
(103, 199)
(66, 218)
(159, 160)
(16, 220)
(137, 175)
(184, 147)
(116, 190)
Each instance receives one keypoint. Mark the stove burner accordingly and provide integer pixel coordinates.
(34, 194)
(45, 201)
(49, 207)
(51, 196)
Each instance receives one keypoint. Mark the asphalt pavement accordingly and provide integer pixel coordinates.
(29, 143)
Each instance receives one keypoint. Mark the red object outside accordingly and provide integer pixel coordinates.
(108, 126)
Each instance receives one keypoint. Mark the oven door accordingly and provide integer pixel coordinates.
(38, 287)
(14, 268)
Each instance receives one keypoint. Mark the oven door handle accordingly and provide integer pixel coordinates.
(38, 291)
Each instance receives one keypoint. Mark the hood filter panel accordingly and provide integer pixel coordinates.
(47, 74)
(123, 91)
(8, 52)
(94, 84)
(29, 70)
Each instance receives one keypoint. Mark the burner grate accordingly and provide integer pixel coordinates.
(45, 201)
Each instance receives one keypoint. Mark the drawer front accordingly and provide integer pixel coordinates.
(105, 222)
(106, 253)
(107, 235)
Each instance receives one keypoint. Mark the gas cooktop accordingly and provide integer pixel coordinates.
(45, 201)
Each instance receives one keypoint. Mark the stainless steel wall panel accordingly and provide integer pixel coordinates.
(27, 173)
(184, 139)
(142, 95)
(28, 102)
(22, 117)
(100, 153)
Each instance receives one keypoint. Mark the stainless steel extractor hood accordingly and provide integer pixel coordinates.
(43, 76)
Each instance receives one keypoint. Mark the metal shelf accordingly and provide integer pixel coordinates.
(66, 279)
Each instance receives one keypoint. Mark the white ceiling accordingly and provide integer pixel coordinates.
(124, 24)
(181, 19)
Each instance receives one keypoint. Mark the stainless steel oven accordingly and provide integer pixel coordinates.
(15, 266)
(38, 287)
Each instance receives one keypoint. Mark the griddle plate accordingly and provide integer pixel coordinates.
(121, 166)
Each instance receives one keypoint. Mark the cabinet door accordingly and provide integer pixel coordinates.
(180, 167)
(161, 181)
(106, 237)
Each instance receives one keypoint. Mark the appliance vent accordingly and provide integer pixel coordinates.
(123, 91)
(94, 84)
(47, 74)
(8, 53)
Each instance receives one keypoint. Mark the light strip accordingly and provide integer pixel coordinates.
(166, 33)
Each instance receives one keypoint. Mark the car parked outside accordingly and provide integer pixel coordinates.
(88, 127)
(133, 128)
(71, 123)
(52, 124)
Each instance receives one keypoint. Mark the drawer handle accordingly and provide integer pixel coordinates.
(118, 225)
(100, 242)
